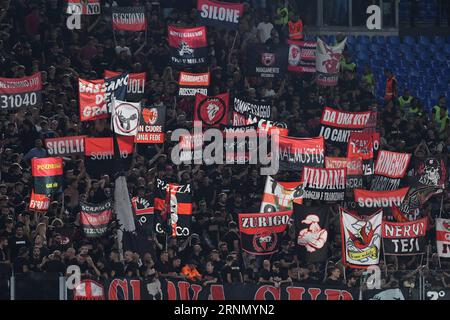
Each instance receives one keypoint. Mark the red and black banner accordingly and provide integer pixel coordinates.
(379, 199)
(364, 145)
(129, 18)
(250, 112)
(324, 184)
(173, 208)
(354, 169)
(85, 7)
(296, 153)
(188, 46)
(212, 111)
(136, 84)
(404, 238)
(267, 62)
(174, 289)
(390, 168)
(280, 195)
(302, 56)
(220, 14)
(95, 218)
(65, 146)
(151, 125)
(99, 154)
(311, 232)
(39, 202)
(261, 233)
(337, 125)
(192, 83)
(95, 96)
(20, 92)
(144, 216)
(48, 175)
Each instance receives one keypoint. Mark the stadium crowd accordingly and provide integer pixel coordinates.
(34, 38)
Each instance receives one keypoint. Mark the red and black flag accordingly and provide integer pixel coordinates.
(173, 208)
(267, 62)
(129, 18)
(136, 84)
(337, 125)
(324, 184)
(364, 145)
(144, 215)
(404, 238)
(88, 7)
(189, 84)
(220, 14)
(379, 199)
(188, 46)
(95, 218)
(311, 232)
(151, 125)
(296, 153)
(302, 56)
(280, 195)
(261, 233)
(39, 202)
(20, 92)
(390, 168)
(48, 175)
(95, 96)
(212, 111)
(99, 154)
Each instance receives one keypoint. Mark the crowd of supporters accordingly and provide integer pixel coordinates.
(34, 38)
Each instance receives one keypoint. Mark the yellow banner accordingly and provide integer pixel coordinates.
(370, 253)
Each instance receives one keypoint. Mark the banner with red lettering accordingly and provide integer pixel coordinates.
(261, 233)
(95, 96)
(151, 125)
(390, 168)
(280, 195)
(302, 56)
(48, 174)
(188, 46)
(404, 238)
(324, 184)
(20, 92)
(296, 153)
(267, 62)
(220, 14)
(39, 202)
(168, 288)
(212, 111)
(328, 61)
(89, 7)
(361, 239)
(129, 18)
(65, 146)
(136, 84)
(443, 237)
(337, 125)
(192, 83)
(95, 218)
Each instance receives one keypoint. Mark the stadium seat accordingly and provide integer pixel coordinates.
(409, 40)
(424, 40)
(438, 40)
(363, 40)
(393, 40)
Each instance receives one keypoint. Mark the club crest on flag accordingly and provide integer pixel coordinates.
(126, 118)
(268, 59)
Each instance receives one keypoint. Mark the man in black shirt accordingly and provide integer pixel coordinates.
(18, 241)
(231, 272)
(22, 262)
